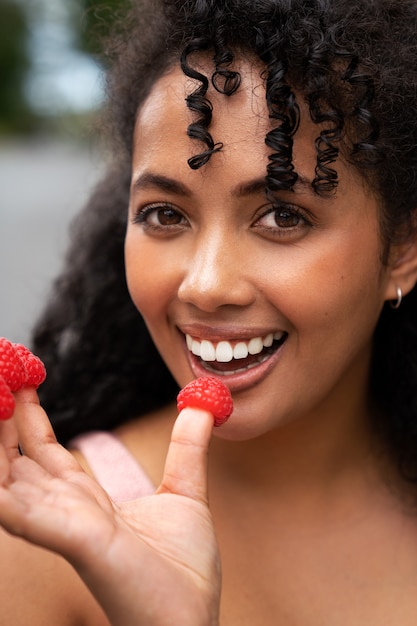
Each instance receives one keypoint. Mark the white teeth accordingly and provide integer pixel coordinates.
(224, 352)
(207, 351)
(255, 345)
(196, 347)
(240, 350)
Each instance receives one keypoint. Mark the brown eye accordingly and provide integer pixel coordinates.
(286, 219)
(284, 222)
(160, 219)
(168, 217)
(282, 218)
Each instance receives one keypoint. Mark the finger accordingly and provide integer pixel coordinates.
(9, 438)
(36, 436)
(186, 463)
(4, 467)
(18, 493)
(47, 511)
(9, 448)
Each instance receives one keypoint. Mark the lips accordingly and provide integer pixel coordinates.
(242, 359)
(234, 357)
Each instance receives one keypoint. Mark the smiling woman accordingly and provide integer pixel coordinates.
(292, 282)
(258, 227)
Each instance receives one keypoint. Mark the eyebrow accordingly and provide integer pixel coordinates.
(150, 180)
(259, 184)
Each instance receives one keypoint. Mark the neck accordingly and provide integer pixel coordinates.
(315, 451)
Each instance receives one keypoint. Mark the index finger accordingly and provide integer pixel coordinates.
(9, 438)
(36, 436)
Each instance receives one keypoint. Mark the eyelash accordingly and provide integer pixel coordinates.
(142, 217)
(292, 212)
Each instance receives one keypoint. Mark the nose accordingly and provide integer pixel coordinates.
(215, 274)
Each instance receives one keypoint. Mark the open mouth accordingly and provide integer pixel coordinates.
(227, 357)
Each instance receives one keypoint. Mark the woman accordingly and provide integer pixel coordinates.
(269, 165)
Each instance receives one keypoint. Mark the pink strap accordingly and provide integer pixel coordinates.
(114, 467)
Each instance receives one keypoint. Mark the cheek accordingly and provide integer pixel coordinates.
(150, 277)
(347, 304)
(327, 286)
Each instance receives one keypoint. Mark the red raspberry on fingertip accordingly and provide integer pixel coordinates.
(7, 402)
(207, 393)
(18, 368)
(12, 368)
(35, 369)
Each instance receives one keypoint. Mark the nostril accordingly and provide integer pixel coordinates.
(211, 299)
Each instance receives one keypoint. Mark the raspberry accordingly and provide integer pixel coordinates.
(207, 393)
(18, 368)
(35, 369)
(6, 400)
(12, 368)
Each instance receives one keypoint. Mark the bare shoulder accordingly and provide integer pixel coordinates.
(41, 589)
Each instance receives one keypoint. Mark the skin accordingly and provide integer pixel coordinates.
(306, 511)
(226, 271)
(144, 561)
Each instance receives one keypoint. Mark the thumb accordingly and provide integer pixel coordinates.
(185, 471)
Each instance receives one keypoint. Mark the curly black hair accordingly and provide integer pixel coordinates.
(355, 66)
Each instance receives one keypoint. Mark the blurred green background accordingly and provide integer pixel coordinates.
(51, 154)
(50, 62)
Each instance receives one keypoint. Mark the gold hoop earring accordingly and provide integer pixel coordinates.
(395, 304)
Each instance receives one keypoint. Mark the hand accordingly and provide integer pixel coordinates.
(151, 561)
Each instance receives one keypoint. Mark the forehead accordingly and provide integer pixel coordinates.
(240, 121)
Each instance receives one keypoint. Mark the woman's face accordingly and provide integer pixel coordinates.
(278, 300)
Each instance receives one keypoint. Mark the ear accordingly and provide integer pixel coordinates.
(402, 268)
